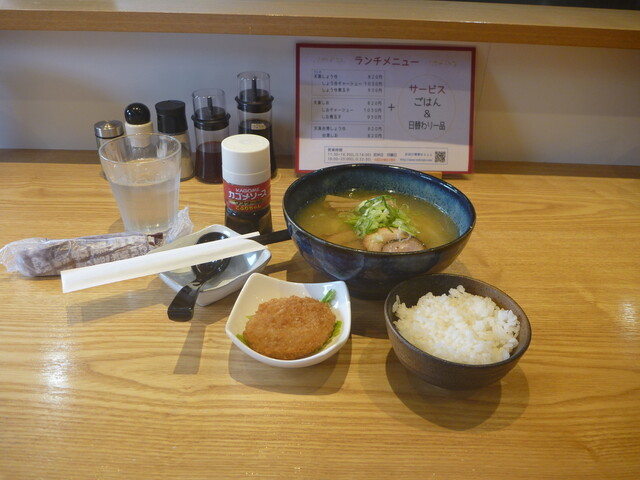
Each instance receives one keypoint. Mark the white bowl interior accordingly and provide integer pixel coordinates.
(261, 288)
(227, 282)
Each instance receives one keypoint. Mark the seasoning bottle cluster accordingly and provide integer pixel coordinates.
(243, 162)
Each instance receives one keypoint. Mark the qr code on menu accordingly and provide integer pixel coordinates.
(440, 156)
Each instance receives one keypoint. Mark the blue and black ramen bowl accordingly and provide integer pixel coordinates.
(371, 275)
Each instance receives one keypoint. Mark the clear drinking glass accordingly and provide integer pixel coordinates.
(144, 173)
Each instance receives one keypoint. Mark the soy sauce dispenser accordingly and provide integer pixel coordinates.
(254, 109)
(211, 122)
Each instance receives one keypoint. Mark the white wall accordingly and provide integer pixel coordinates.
(533, 103)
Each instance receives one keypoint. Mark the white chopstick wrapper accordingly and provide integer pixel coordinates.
(157, 262)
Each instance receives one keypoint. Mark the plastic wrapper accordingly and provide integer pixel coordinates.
(35, 257)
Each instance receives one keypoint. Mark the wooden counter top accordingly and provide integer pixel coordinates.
(403, 19)
(100, 384)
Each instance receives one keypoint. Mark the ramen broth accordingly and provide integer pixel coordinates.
(325, 218)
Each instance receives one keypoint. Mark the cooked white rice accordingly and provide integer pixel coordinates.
(459, 327)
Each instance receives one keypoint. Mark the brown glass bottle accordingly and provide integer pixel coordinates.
(259, 221)
(247, 183)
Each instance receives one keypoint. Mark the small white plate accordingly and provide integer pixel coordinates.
(227, 282)
(261, 288)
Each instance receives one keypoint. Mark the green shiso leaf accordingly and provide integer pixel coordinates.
(337, 328)
(379, 212)
(329, 296)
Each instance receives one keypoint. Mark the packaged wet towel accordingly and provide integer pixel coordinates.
(36, 257)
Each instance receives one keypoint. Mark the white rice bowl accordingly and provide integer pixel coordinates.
(459, 327)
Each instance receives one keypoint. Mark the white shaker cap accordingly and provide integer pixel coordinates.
(245, 159)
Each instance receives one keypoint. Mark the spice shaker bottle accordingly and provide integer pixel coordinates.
(246, 173)
(172, 121)
(211, 123)
(254, 109)
(137, 119)
(106, 130)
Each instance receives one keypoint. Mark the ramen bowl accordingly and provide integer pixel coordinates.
(371, 275)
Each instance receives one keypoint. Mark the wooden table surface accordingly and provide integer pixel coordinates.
(100, 384)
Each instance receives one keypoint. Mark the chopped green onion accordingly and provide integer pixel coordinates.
(379, 212)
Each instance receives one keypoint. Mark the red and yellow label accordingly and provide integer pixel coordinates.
(247, 198)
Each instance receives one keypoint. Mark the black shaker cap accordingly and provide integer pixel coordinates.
(211, 118)
(137, 114)
(254, 101)
(171, 116)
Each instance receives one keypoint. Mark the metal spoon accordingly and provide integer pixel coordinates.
(181, 308)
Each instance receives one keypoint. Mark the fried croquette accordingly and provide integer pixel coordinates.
(289, 328)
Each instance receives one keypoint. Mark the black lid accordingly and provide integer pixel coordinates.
(211, 118)
(254, 101)
(171, 116)
(137, 114)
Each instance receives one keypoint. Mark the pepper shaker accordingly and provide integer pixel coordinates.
(172, 121)
(137, 119)
(106, 130)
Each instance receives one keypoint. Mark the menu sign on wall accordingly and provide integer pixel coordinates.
(410, 106)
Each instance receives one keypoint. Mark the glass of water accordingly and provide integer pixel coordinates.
(144, 173)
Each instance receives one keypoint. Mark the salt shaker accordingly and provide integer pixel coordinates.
(211, 123)
(172, 121)
(246, 173)
(137, 119)
(106, 130)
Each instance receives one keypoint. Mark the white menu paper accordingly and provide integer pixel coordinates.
(410, 106)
